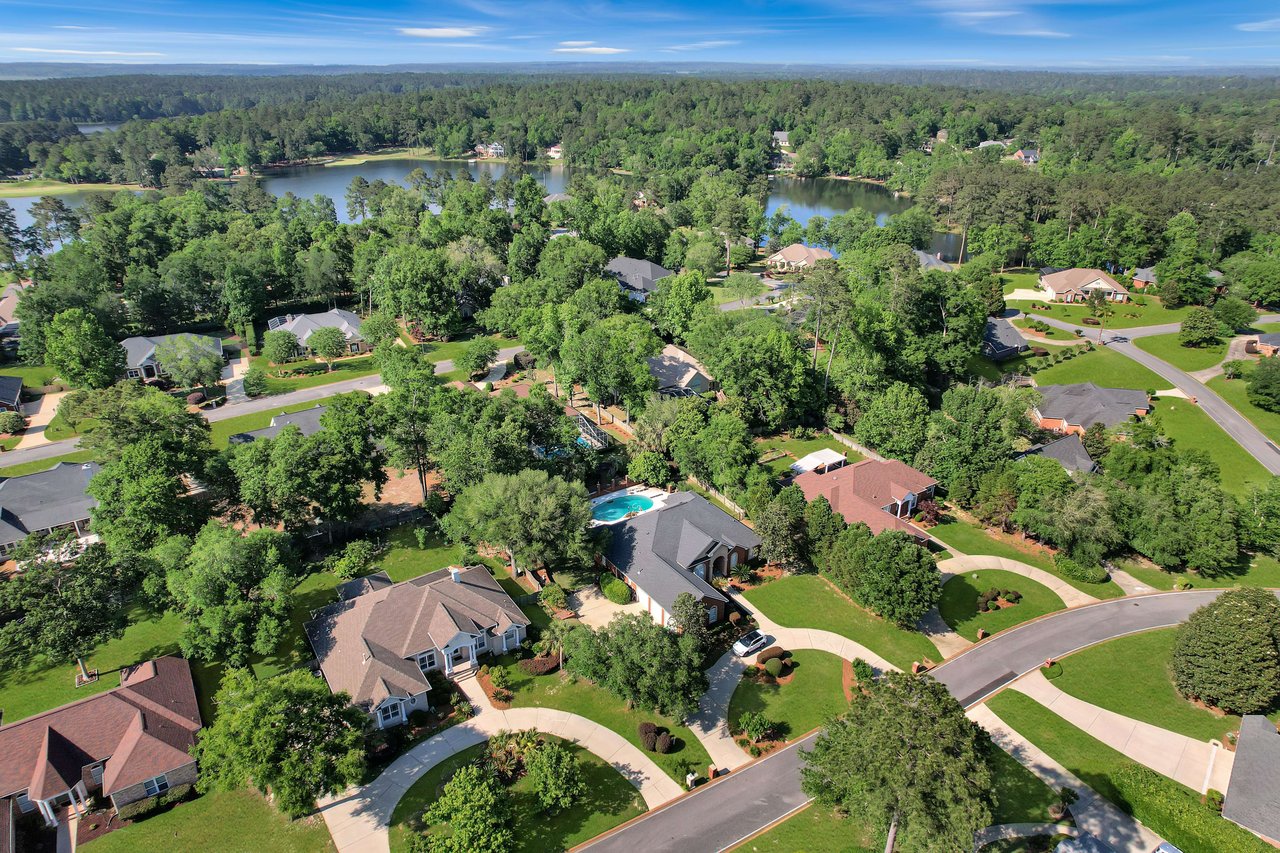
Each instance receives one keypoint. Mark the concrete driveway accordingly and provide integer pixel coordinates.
(595, 610)
(39, 413)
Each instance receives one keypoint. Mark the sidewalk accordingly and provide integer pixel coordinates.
(1093, 814)
(1194, 763)
(1070, 596)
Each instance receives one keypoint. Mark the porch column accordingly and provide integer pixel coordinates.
(50, 819)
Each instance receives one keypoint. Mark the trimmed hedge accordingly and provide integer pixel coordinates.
(1077, 572)
(138, 808)
(648, 736)
(770, 653)
(664, 743)
(773, 666)
(615, 590)
(1176, 812)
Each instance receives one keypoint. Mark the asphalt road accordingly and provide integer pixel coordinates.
(234, 410)
(1234, 424)
(720, 815)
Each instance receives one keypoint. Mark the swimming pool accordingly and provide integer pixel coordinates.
(620, 507)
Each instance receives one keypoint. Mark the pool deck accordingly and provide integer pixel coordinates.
(658, 496)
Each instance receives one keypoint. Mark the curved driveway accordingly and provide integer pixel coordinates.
(722, 814)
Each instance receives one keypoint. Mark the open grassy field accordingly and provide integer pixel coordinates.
(1236, 393)
(1021, 280)
(33, 375)
(1102, 367)
(812, 696)
(376, 156)
(347, 368)
(43, 186)
(960, 599)
(811, 601)
(1130, 675)
(1191, 429)
(1260, 570)
(229, 822)
(1127, 316)
(722, 295)
(609, 800)
(1190, 359)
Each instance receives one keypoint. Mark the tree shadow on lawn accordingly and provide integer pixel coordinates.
(537, 830)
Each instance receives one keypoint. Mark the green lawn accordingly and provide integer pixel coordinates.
(45, 186)
(1020, 795)
(812, 696)
(1102, 367)
(1236, 393)
(30, 690)
(220, 431)
(816, 829)
(723, 294)
(1096, 764)
(609, 801)
(970, 539)
(350, 368)
(231, 822)
(33, 375)
(1126, 316)
(1051, 333)
(1191, 429)
(1190, 359)
(44, 464)
(582, 697)
(1011, 281)
(1259, 570)
(1130, 675)
(451, 349)
(810, 601)
(984, 368)
(959, 604)
(797, 448)
(58, 428)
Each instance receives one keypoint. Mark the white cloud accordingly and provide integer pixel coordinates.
(576, 43)
(700, 45)
(442, 32)
(1268, 26)
(1048, 34)
(65, 52)
(601, 51)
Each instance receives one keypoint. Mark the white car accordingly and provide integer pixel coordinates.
(750, 642)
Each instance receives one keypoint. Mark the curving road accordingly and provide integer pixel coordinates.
(720, 815)
(1236, 425)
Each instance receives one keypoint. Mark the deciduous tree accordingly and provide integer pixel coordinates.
(81, 351)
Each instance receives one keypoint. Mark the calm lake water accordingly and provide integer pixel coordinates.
(803, 198)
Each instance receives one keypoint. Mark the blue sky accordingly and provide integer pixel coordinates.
(1094, 35)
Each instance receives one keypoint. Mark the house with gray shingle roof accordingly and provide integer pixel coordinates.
(56, 499)
(11, 393)
(679, 547)
(140, 360)
(639, 278)
(1001, 341)
(1068, 452)
(303, 326)
(378, 642)
(931, 262)
(1075, 408)
(307, 421)
(1253, 794)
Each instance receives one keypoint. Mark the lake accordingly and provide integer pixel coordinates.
(803, 198)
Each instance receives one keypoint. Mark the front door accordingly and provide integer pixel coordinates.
(460, 655)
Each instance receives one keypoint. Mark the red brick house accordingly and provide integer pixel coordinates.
(127, 744)
(882, 495)
(1069, 409)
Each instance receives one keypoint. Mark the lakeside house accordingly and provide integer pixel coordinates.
(9, 306)
(676, 548)
(782, 139)
(1076, 285)
(56, 499)
(931, 262)
(679, 374)
(883, 495)
(381, 639)
(1144, 277)
(555, 152)
(303, 326)
(1075, 408)
(638, 277)
(127, 744)
(796, 258)
(141, 362)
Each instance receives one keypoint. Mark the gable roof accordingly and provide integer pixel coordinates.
(45, 499)
(307, 421)
(1085, 404)
(637, 274)
(554, 197)
(1253, 794)
(676, 368)
(304, 325)
(861, 491)
(1271, 339)
(656, 550)
(9, 302)
(11, 390)
(1078, 280)
(931, 262)
(364, 644)
(142, 728)
(817, 459)
(1000, 340)
(798, 254)
(1068, 452)
(1147, 274)
(142, 349)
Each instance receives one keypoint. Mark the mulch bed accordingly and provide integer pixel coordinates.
(848, 681)
(763, 678)
(489, 690)
(96, 824)
(760, 577)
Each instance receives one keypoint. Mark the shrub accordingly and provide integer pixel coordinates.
(615, 590)
(539, 665)
(195, 398)
(770, 653)
(553, 596)
(664, 743)
(418, 717)
(863, 672)
(802, 433)
(734, 617)
(773, 666)
(1012, 596)
(500, 678)
(1077, 572)
(1228, 653)
(131, 811)
(1175, 812)
(648, 735)
(354, 559)
(12, 422)
(255, 382)
(755, 725)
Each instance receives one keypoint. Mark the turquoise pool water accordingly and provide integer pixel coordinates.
(619, 507)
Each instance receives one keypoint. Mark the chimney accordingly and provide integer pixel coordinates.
(455, 572)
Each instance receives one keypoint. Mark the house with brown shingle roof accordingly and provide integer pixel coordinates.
(379, 642)
(127, 744)
(797, 257)
(883, 495)
(1076, 284)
